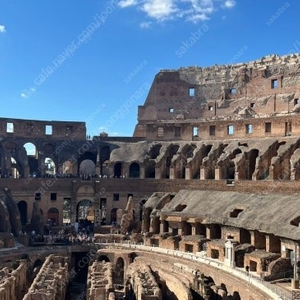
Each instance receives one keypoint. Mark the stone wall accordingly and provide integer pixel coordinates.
(51, 281)
(13, 282)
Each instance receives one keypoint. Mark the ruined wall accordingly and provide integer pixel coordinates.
(184, 99)
(13, 282)
(51, 281)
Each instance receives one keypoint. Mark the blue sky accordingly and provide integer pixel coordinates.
(94, 60)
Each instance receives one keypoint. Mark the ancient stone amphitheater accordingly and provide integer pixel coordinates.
(201, 203)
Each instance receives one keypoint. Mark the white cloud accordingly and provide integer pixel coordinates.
(229, 3)
(2, 28)
(159, 9)
(126, 3)
(23, 95)
(145, 25)
(190, 10)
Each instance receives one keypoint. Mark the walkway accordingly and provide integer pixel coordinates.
(272, 290)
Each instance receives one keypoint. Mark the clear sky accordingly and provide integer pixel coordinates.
(94, 60)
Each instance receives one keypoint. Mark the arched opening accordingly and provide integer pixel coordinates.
(53, 216)
(50, 169)
(30, 149)
(113, 215)
(87, 168)
(87, 163)
(22, 206)
(119, 271)
(118, 170)
(68, 167)
(103, 258)
(85, 211)
(32, 160)
(134, 170)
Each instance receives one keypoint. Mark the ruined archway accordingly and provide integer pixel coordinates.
(134, 170)
(119, 271)
(22, 206)
(53, 216)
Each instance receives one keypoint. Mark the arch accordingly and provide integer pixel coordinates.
(119, 270)
(103, 258)
(33, 163)
(22, 206)
(50, 168)
(30, 149)
(85, 211)
(134, 170)
(118, 170)
(91, 157)
(53, 215)
(87, 167)
(113, 215)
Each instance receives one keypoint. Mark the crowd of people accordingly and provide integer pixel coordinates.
(80, 233)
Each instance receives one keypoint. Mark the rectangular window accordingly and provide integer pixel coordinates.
(192, 92)
(274, 84)
(296, 101)
(268, 127)
(233, 91)
(212, 130)
(177, 131)
(48, 129)
(210, 108)
(248, 128)
(195, 131)
(116, 197)
(160, 131)
(9, 127)
(53, 196)
(230, 129)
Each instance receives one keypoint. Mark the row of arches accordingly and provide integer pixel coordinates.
(84, 211)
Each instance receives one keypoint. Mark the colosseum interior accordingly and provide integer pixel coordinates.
(201, 203)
